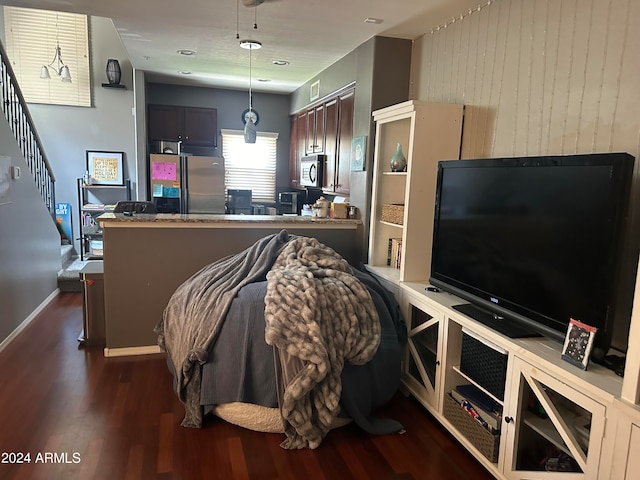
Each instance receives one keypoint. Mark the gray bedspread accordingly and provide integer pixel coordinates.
(317, 314)
(241, 364)
(195, 312)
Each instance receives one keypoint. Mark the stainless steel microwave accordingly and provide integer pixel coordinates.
(312, 170)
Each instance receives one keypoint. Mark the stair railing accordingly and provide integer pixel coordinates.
(17, 114)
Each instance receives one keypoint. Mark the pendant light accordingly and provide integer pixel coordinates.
(250, 131)
(56, 65)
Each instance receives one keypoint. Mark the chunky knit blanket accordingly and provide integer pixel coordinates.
(319, 315)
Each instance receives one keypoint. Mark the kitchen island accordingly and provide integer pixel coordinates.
(146, 257)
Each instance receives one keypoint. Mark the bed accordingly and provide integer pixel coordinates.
(285, 336)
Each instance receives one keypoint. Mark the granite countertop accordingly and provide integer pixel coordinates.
(107, 219)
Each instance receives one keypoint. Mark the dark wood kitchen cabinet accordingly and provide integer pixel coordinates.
(325, 128)
(331, 142)
(338, 136)
(345, 137)
(315, 130)
(294, 154)
(194, 126)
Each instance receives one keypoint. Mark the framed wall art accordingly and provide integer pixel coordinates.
(105, 168)
(358, 153)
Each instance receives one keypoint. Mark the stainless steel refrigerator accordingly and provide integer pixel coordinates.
(187, 183)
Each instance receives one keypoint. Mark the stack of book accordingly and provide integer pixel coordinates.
(480, 406)
(394, 254)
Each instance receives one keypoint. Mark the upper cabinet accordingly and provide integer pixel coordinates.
(193, 126)
(345, 135)
(294, 165)
(332, 117)
(325, 128)
(315, 130)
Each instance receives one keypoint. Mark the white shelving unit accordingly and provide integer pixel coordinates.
(428, 132)
(551, 409)
(590, 420)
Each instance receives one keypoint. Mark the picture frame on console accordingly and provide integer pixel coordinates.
(578, 343)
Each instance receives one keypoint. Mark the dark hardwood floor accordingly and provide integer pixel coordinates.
(82, 416)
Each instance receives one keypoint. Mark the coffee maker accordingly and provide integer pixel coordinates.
(290, 202)
(239, 202)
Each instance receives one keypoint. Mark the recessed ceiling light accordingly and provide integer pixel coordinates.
(263, 79)
(250, 44)
(184, 72)
(376, 21)
(280, 62)
(186, 52)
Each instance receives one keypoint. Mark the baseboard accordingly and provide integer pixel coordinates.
(29, 319)
(126, 351)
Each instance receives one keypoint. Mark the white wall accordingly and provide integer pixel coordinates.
(538, 76)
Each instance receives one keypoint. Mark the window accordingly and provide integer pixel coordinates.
(31, 39)
(251, 166)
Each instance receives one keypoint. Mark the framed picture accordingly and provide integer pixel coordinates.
(358, 152)
(105, 168)
(578, 343)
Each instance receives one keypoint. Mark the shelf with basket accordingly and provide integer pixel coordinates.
(402, 201)
(93, 201)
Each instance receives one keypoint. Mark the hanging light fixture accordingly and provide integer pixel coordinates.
(56, 65)
(250, 131)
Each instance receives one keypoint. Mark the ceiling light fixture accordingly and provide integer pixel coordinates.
(280, 62)
(186, 52)
(375, 21)
(56, 65)
(250, 131)
(250, 44)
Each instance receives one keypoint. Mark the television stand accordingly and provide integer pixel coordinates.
(491, 320)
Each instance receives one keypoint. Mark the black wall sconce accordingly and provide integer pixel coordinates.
(113, 74)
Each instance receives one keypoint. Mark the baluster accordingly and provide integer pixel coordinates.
(20, 122)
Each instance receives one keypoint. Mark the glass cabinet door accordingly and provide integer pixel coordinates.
(422, 373)
(552, 428)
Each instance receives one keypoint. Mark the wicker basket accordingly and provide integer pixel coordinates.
(393, 213)
(486, 442)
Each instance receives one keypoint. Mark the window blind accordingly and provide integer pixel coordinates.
(251, 166)
(31, 37)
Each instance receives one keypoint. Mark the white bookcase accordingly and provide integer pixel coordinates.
(591, 419)
(428, 132)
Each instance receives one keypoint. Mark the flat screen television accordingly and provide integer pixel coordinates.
(532, 242)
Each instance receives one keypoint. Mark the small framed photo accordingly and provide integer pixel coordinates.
(105, 168)
(358, 153)
(578, 343)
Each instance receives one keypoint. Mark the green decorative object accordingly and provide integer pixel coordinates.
(398, 160)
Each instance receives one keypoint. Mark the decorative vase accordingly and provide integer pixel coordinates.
(398, 160)
(113, 71)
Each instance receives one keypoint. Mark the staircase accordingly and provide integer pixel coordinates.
(69, 275)
(14, 108)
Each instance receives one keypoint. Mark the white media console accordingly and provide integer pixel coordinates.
(556, 421)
